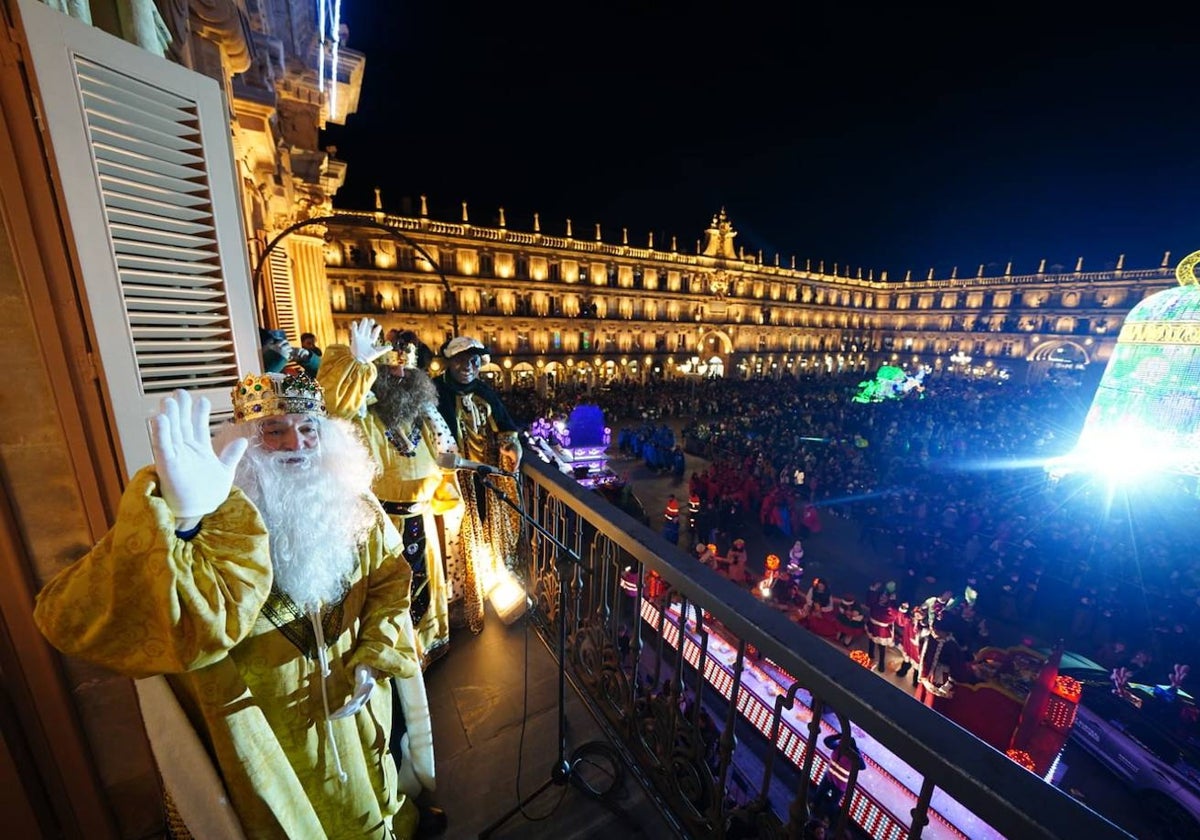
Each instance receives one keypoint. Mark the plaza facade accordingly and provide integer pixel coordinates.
(560, 308)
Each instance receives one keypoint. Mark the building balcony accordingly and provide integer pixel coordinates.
(655, 646)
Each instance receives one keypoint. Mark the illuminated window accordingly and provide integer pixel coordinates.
(556, 340)
(585, 340)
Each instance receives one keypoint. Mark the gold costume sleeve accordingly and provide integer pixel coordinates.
(346, 381)
(144, 602)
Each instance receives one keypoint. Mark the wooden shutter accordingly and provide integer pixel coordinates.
(142, 152)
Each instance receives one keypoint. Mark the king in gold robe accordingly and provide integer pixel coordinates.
(243, 661)
(410, 485)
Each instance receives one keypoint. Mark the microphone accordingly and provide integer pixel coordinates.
(450, 461)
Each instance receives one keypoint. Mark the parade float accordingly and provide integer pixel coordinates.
(577, 444)
(1021, 705)
(891, 383)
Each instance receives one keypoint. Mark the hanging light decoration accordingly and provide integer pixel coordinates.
(329, 25)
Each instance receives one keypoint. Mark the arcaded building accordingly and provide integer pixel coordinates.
(559, 307)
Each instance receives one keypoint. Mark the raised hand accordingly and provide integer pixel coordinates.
(365, 340)
(193, 479)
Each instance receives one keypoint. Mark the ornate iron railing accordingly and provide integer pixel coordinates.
(707, 760)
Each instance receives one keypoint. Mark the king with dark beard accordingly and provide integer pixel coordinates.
(393, 404)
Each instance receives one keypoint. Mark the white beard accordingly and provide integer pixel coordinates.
(315, 513)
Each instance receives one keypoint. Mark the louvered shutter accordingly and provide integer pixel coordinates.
(279, 264)
(145, 164)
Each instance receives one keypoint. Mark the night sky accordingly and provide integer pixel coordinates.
(888, 140)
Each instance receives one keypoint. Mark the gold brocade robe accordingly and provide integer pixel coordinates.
(242, 663)
(409, 474)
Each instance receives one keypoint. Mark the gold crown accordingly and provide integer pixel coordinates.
(276, 394)
(404, 355)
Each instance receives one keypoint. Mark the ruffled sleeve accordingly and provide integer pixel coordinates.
(145, 602)
(346, 381)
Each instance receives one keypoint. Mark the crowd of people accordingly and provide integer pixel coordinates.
(948, 487)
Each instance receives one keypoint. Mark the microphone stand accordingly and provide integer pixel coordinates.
(563, 772)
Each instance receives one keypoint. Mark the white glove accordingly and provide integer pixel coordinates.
(364, 683)
(364, 340)
(193, 479)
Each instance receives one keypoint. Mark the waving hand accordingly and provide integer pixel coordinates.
(193, 479)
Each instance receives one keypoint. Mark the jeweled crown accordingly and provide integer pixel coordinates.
(275, 394)
(401, 355)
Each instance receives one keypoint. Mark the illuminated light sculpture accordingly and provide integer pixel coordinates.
(1145, 417)
(891, 383)
(1060, 713)
(862, 658)
(578, 444)
(772, 565)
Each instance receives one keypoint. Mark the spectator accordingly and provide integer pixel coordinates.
(308, 342)
(844, 763)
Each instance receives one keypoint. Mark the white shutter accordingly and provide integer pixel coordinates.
(279, 264)
(142, 150)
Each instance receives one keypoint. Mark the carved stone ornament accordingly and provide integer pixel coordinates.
(718, 284)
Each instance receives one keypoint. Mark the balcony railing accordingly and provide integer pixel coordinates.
(671, 715)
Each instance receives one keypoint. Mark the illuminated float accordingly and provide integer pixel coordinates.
(1021, 705)
(577, 444)
(1145, 416)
